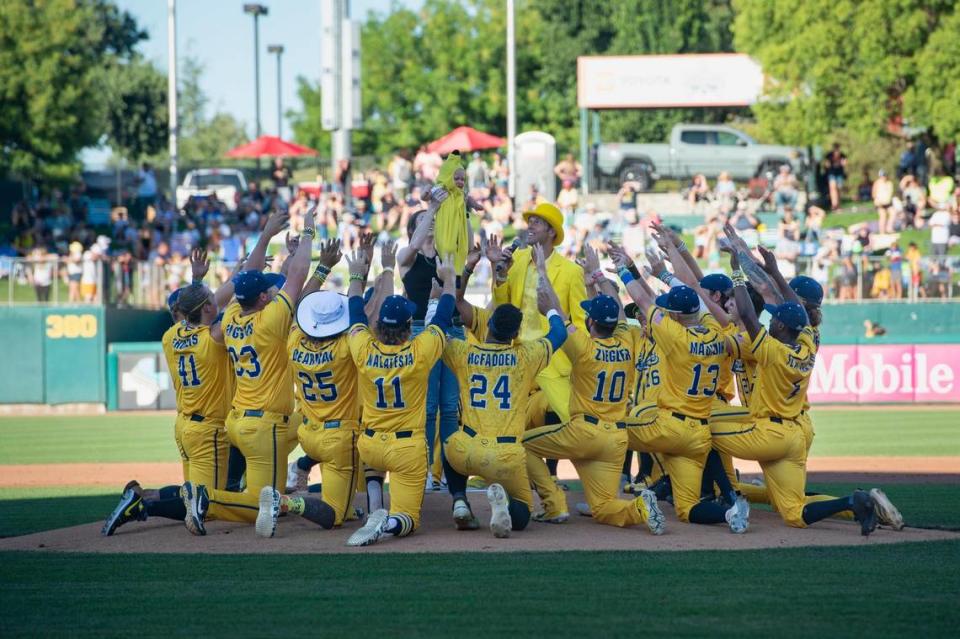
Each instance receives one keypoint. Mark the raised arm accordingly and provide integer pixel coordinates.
(330, 255)
(591, 265)
(681, 246)
(356, 262)
(275, 223)
(418, 240)
(443, 317)
(770, 266)
(464, 307)
(544, 287)
(636, 285)
(754, 272)
(300, 262)
(740, 295)
(383, 286)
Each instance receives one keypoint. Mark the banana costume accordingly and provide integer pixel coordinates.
(450, 228)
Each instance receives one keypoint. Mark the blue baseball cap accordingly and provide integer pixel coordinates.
(247, 285)
(396, 310)
(602, 309)
(790, 314)
(807, 289)
(172, 299)
(680, 299)
(716, 282)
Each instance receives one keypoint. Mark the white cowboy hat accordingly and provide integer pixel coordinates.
(323, 313)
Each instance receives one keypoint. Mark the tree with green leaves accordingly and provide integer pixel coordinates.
(51, 83)
(136, 104)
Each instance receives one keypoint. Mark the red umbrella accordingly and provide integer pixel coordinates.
(269, 146)
(464, 138)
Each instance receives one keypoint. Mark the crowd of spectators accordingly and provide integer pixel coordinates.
(143, 252)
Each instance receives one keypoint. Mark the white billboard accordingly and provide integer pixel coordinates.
(663, 81)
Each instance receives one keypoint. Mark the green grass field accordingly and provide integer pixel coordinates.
(907, 589)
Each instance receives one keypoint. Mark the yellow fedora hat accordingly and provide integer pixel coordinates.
(550, 214)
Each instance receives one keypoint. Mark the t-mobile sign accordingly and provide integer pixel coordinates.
(888, 373)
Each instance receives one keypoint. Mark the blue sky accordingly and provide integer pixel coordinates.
(220, 35)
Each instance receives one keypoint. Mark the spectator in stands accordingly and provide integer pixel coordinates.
(913, 262)
(744, 219)
(281, 174)
(725, 193)
(938, 284)
(533, 199)
(427, 164)
(568, 169)
(477, 174)
(908, 161)
(788, 228)
(499, 210)
(42, 272)
(882, 196)
(847, 280)
(146, 189)
(699, 191)
(895, 255)
(74, 272)
(835, 165)
(911, 206)
(627, 199)
(499, 170)
(865, 188)
(785, 189)
(939, 224)
(941, 190)
(881, 285)
(568, 200)
(954, 228)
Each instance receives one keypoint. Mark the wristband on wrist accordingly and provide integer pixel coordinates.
(626, 276)
(665, 277)
(739, 279)
(309, 233)
(467, 270)
(323, 268)
(633, 269)
(357, 277)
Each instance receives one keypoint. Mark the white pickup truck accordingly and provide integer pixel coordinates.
(227, 184)
(693, 149)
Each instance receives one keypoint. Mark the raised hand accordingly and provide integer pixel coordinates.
(239, 266)
(473, 257)
(769, 260)
(330, 253)
(590, 262)
(357, 263)
(445, 270)
(199, 265)
(619, 257)
(293, 241)
(279, 221)
(388, 255)
(494, 249)
(657, 264)
(540, 260)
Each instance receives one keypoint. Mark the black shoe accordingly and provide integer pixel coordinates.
(864, 511)
(662, 488)
(130, 508)
(195, 500)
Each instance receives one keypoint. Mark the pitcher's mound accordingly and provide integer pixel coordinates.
(437, 534)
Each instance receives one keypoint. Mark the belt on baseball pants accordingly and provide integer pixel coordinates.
(590, 419)
(259, 413)
(702, 421)
(196, 417)
(500, 440)
(400, 434)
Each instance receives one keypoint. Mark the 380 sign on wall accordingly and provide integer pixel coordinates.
(888, 373)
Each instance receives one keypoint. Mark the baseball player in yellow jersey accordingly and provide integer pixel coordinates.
(785, 357)
(394, 372)
(497, 376)
(677, 426)
(602, 360)
(166, 340)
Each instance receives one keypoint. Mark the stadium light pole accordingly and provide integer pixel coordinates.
(278, 49)
(172, 91)
(511, 100)
(256, 10)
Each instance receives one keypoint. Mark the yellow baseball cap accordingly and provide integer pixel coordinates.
(550, 214)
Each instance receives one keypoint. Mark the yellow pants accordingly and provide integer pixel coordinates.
(405, 458)
(504, 463)
(780, 448)
(264, 441)
(597, 451)
(537, 407)
(334, 445)
(206, 445)
(556, 391)
(178, 438)
(293, 433)
(683, 444)
(633, 442)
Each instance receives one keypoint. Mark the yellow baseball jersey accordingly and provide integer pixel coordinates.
(257, 344)
(200, 369)
(478, 325)
(744, 369)
(324, 377)
(783, 375)
(602, 372)
(647, 385)
(690, 363)
(813, 332)
(495, 382)
(393, 379)
(727, 385)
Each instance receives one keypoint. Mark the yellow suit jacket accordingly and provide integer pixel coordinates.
(567, 280)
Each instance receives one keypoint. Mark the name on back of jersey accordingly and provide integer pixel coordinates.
(310, 358)
(706, 349)
(183, 343)
(238, 331)
(378, 360)
(613, 355)
(491, 360)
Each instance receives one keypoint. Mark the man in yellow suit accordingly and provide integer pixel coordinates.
(516, 283)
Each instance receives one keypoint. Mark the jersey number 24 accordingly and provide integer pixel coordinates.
(478, 391)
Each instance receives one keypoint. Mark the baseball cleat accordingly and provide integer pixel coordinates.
(266, 525)
(738, 516)
(864, 511)
(544, 518)
(131, 507)
(463, 517)
(887, 513)
(297, 479)
(583, 509)
(371, 531)
(195, 501)
(656, 522)
(500, 522)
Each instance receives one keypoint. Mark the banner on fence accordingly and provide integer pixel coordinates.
(900, 373)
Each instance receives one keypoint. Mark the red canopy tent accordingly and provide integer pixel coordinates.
(270, 146)
(464, 138)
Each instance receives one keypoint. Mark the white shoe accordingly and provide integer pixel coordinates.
(655, 519)
(887, 513)
(738, 516)
(371, 531)
(583, 509)
(463, 517)
(298, 481)
(500, 522)
(266, 524)
(428, 485)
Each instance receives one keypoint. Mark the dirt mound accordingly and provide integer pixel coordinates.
(297, 536)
